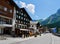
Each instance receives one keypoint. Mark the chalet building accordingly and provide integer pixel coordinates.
(13, 20)
(22, 21)
(6, 16)
(34, 26)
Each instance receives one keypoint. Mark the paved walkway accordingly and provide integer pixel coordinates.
(11, 40)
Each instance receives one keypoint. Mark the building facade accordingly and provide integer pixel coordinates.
(21, 16)
(34, 26)
(12, 18)
(6, 16)
(21, 20)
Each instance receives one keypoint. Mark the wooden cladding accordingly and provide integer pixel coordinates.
(6, 9)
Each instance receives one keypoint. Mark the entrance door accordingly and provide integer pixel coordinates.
(7, 30)
(17, 32)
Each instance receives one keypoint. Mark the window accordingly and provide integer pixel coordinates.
(10, 21)
(28, 19)
(1, 7)
(21, 13)
(24, 22)
(10, 11)
(8, 2)
(5, 9)
(24, 14)
(24, 18)
(21, 10)
(0, 20)
(19, 17)
(16, 11)
(16, 26)
(25, 27)
(21, 22)
(20, 26)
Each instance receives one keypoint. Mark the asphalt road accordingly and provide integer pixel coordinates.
(45, 39)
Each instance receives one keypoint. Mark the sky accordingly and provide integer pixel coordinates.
(39, 9)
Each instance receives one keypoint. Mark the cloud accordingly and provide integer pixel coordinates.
(30, 7)
(22, 4)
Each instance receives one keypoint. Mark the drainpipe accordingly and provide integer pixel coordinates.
(13, 22)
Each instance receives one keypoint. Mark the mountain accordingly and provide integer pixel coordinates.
(40, 20)
(54, 18)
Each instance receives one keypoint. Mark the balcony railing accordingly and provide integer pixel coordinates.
(5, 25)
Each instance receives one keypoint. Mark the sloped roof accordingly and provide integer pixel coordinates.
(26, 12)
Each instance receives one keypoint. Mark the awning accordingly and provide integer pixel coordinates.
(24, 29)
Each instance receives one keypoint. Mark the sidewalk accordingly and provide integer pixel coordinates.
(11, 40)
